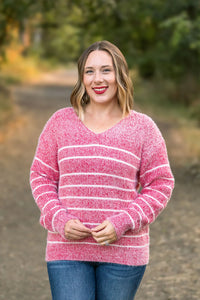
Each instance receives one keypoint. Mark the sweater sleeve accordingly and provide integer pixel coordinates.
(44, 179)
(156, 181)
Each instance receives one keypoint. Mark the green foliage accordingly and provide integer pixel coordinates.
(13, 14)
(61, 32)
(183, 43)
(159, 38)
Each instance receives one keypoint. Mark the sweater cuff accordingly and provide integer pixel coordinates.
(60, 220)
(121, 222)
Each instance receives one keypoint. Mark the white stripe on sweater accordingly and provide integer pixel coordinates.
(149, 207)
(100, 157)
(141, 210)
(53, 200)
(45, 226)
(133, 222)
(139, 216)
(103, 209)
(96, 209)
(42, 162)
(96, 224)
(161, 166)
(94, 198)
(156, 191)
(98, 174)
(167, 186)
(95, 244)
(155, 200)
(43, 177)
(55, 206)
(55, 216)
(35, 179)
(50, 192)
(135, 236)
(100, 146)
(44, 185)
(97, 186)
(167, 178)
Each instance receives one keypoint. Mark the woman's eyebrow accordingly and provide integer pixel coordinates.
(104, 66)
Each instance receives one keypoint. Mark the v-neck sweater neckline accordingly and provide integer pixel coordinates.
(113, 127)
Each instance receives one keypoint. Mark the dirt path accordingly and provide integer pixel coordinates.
(174, 269)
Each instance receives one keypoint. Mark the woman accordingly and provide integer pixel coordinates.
(89, 162)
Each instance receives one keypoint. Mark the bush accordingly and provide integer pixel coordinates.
(6, 105)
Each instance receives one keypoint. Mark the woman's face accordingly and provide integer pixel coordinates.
(99, 77)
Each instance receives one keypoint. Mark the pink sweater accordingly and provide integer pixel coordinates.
(77, 173)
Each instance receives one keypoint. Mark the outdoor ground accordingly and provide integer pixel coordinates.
(174, 269)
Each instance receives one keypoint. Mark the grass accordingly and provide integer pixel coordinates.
(16, 69)
(154, 99)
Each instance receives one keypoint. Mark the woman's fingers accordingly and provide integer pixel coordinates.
(77, 225)
(104, 233)
(100, 227)
(76, 230)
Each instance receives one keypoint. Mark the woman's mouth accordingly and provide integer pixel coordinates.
(100, 90)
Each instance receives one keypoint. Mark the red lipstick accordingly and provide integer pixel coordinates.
(100, 89)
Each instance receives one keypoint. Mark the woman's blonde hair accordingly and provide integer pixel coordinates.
(79, 98)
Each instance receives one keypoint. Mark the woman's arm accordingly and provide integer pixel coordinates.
(157, 183)
(44, 178)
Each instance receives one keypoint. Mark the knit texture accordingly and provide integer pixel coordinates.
(79, 174)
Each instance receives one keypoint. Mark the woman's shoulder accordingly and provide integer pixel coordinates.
(144, 123)
(142, 118)
(60, 117)
(63, 114)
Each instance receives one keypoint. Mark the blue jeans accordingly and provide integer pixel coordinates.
(79, 280)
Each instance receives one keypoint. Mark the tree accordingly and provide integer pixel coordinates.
(156, 37)
(15, 15)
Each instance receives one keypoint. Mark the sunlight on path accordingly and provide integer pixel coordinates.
(67, 77)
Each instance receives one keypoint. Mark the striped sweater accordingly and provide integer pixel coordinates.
(79, 174)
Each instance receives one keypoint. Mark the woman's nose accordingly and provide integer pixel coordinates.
(98, 77)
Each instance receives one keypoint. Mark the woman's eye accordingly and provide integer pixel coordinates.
(88, 72)
(106, 70)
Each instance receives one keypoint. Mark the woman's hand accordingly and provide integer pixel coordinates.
(75, 230)
(104, 233)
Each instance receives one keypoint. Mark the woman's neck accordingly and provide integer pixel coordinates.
(103, 111)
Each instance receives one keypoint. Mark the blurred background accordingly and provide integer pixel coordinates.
(161, 42)
(40, 42)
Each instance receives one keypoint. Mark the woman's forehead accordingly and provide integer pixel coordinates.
(98, 58)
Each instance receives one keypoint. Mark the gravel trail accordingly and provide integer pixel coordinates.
(174, 269)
